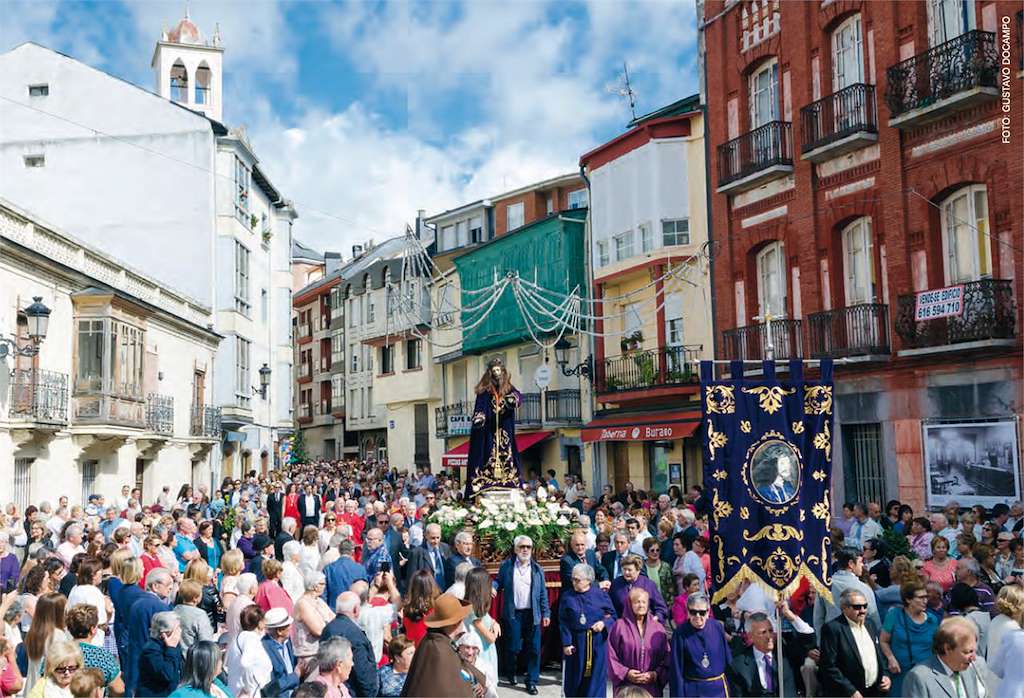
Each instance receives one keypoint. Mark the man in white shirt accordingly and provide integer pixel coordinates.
(636, 531)
(863, 528)
(56, 523)
(121, 500)
(72, 544)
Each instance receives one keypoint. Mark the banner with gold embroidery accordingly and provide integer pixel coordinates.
(767, 476)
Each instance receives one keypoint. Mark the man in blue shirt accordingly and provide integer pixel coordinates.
(111, 523)
(341, 573)
(184, 549)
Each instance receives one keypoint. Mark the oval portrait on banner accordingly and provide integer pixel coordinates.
(774, 472)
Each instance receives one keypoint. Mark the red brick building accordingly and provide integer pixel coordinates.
(859, 159)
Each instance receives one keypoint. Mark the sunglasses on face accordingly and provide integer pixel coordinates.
(66, 670)
(861, 606)
(525, 547)
(698, 612)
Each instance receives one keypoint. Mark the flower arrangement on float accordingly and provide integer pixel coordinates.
(498, 521)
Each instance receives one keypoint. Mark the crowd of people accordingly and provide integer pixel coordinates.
(330, 579)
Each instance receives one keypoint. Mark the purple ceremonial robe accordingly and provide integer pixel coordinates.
(620, 596)
(689, 676)
(628, 650)
(585, 671)
(493, 460)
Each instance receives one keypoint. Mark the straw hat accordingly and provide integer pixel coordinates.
(277, 618)
(448, 610)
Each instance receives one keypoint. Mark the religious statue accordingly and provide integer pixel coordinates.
(493, 456)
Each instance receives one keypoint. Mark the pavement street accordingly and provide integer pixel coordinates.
(550, 686)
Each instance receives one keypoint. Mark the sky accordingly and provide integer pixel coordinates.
(363, 113)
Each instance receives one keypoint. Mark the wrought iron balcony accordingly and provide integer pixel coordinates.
(205, 421)
(749, 343)
(160, 413)
(656, 368)
(953, 75)
(39, 396)
(988, 313)
(562, 407)
(755, 157)
(857, 330)
(529, 414)
(453, 420)
(843, 121)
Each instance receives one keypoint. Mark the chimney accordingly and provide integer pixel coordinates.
(332, 262)
(357, 251)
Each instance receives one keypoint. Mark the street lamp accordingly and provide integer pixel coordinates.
(584, 369)
(38, 316)
(264, 381)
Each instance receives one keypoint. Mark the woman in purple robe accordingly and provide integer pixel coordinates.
(700, 653)
(493, 461)
(638, 648)
(585, 615)
(632, 579)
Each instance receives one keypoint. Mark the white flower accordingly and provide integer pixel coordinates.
(542, 493)
(486, 523)
(562, 521)
(509, 526)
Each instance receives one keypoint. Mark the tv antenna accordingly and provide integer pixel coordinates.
(625, 89)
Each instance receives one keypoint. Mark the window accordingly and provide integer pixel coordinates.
(23, 482)
(675, 232)
(353, 404)
(110, 358)
(353, 307)
(578, 199)
(771, 280)
(127, 349)
(624, 246)
(242, 179)
(514, 216)
(89, 377)
(602, 253)
(412, 354)
(764, 90)
(387, 359)
(948, 19)
(90, 468)
(355, 357)
(42, 90)
(370, 309)
(864, 472)
(264, 305)
(447, 237)
(631, 321)
(476, 229)
(242, 278)
(673, 319)
(203, 82)
(847, 54)
(646, 238)
(179, 83)
(337, 391)
(964, 216)
(857, 255)
(243, 384)
(338, 348)
(371, 409)
(367, 357)
(445, 307)
(462, 233)
(35, 160)
(550, 205)
(337, 309)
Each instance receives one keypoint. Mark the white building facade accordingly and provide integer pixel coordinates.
(157, 181)
(118, 391)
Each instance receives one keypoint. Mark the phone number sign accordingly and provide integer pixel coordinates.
(939, 303)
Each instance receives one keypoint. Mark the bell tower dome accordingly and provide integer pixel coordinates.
(188, 68)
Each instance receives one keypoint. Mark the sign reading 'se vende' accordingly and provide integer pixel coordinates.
(939, 302)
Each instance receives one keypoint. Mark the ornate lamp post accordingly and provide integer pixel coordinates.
(38, 322)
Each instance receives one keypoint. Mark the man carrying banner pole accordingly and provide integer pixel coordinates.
(767, 475)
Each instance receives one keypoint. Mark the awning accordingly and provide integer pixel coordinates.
(458, 457)
(653, 427)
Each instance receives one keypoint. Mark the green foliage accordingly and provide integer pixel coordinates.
(230, 518)
(298, 454)
(897, 544)
(645, 364)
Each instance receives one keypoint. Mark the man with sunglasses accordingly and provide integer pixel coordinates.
(851, 657)
(524, 611)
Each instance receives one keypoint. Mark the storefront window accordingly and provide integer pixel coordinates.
(659, 454)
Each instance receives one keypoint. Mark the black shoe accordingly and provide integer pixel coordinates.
(532, 690)
(511, 681)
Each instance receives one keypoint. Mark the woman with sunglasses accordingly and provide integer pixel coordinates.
(906, 637)
(327, 531)
(63, 661)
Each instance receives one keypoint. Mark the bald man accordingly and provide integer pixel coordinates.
(363, 680)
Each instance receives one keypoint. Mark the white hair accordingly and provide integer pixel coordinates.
(346, 606)
(522, 539)
(163, 622)
(291, 549)
(288, 524)
(331, 652)
(311, 579)
(246, 583)
(583, 571)
(156, 576)
(463, 536)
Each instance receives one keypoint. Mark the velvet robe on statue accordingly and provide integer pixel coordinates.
(628, 650)
(585, 671)
(689, 676)
(493, 461)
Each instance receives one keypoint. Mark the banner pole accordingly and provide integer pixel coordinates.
(778, 643)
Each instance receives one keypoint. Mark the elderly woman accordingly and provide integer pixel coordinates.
(584, 616)
(907, 632)
(631, 579)
(638, 648)
(63, 661)
(700, 653)
(657, 570)
(392, 676)
(9, 565)
(248, 665)
(291, 570)
(941, 567)
(311, 617)
(160, 661)
(231, 566)
(334, 661)
(202, 667)
(246, 590)
(270, 593)
(195, 623)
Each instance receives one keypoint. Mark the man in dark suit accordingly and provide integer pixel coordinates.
(158, 589)
(463, 550)
(524, 611)
(284, 676)
(578, 555)
(309, 509)
(363, 680)
(851, 659)
(433, 555)
(612, 560)
(286, 534)
(275, 507)
(754, 672)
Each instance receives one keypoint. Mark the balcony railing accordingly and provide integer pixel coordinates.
(989, 312)
(305, 370)
(967, 62)
(754, 151)
(205, 421)
(665, 367)
(842, 114)
(562, 407)
(160, 413)
(305, 331)
(529, 414)
(750, 342)
(39, 396)
(858, 330)
(453, 420)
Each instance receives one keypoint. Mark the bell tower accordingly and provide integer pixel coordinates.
(188, 68)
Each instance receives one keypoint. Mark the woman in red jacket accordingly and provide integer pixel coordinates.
(291, 503)
(418, 604)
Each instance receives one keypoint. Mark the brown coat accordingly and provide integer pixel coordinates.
(436, 670)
